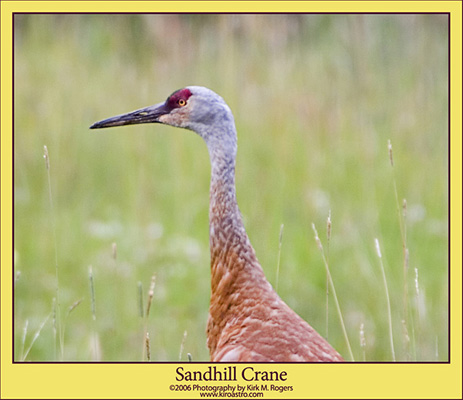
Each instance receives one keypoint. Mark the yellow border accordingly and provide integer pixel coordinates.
(310, 381)
(230, 6)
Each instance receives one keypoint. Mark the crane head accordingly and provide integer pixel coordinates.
(173, 111)
(194, 107)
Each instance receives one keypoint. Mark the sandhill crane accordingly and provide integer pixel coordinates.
(247, 321)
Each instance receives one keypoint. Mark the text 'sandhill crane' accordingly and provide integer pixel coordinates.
(247, 319)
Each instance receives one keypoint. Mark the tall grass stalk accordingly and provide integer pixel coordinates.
(23, 339)
(419, 314)
(57, 320)
(333, 290)
(36, 336)
(182, 346)
(71, 308)
(389, 313)
(406, 338)
(327, 299)
(280, 241)
(116, 281)
(363, 342)
(417, 294)
(94, 339)
(141, 314)
(402, 215)
(92, 292)
(150, 295)
(148, 346)
(55, 328)
(146, 315)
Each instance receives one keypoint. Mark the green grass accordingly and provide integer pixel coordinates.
(316, 99)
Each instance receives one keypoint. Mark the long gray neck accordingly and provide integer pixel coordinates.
(224, 215)
(235, 272)
(231, 250)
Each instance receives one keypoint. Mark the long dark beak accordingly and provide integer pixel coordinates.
(143, 116)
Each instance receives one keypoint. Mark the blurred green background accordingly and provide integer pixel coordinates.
(315, 99)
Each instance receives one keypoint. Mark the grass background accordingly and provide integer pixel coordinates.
(315, 99)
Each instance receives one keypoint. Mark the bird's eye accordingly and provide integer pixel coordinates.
(181, 102)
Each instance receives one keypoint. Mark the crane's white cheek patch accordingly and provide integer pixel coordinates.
(176, 118)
